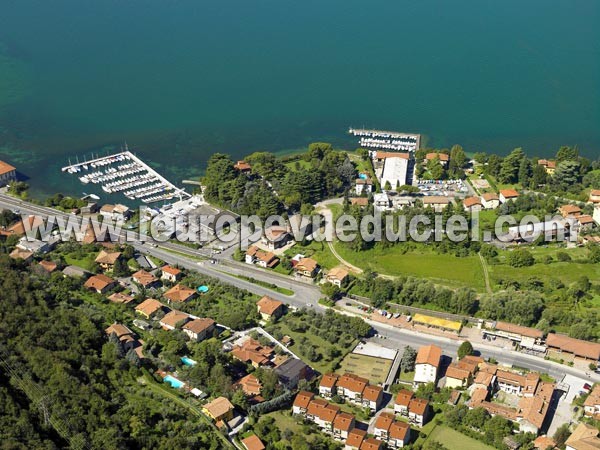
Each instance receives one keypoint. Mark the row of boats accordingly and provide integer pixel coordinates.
(390, 144)
(131, 177)
(384, 134)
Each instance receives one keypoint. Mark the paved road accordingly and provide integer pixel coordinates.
(308, 294)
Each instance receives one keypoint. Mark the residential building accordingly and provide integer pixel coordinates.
(507, 194)
(242, 166)
(37, 246)
(119, 213)
(526, 337)
(301, 402)
(269, 308)
(516, 384)
(174, 318)
(19, 228)
(544, 443)
(427, 364)
(549, 166)
(575, 348)
(351, 387)
(220, 409)
(363, 185)
(275, 237)
(594, 196)
(371, 444)
(586, 222)
(262, 258)
(372, 397)
(472, 204)
(418, 411)
(342, 424)
(363, 202)
(179, 294)
(19, 253)
(395, 169)
(532, 410)
(120, 297)
(585, 437)
(314, 408)
(328, 385)
(490, 200)
(8, 173)
(48, 266)
(127, 338)
(569, 210)
(170, 274)
(199, 329)
(382, 202)
(591, 406)
(457, 377)
(325, 415)
(306, 267)
(291, 371)
(106, 260)
(403, 399)
(337, 276)
(250, 385)
(437, 202)
(443, 158)
(144, 279)
(399, 435)
(355, 439)
(253, 442)
(149, 307)
(382, 425)
(100, 283)
(251, 351)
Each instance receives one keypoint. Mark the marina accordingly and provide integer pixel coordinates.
(125, 173)
(389, 140)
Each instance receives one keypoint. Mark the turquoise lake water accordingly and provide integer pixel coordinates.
(179, 80)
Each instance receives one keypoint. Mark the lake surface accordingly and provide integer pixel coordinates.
(179, 80)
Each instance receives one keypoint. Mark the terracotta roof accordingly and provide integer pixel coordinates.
(149, 306)
(585, 219)
(242, 165)
(343, 421)
(471, 201)
(385, 155)
(356, 437)
(478, 396)
(430, 354)
(457, 373)
(384, 421)
(179, 293)
(328, 380)
(173, 318)
(303, 398)
(399, 430)
(275, 233)
(251, 350)
(306, 264)
(315, 406)
(253, 442)
(119, 297)
(418, 406)
(441, 156)
(595, 192)
(543, 442)
(199, 325)
(6, 168)
(118, 329)
(518, 329)
(262, 255)
(363, 181)
(567, 210)
(510, 377)
(49, 266)
(509, 193)
(360, 201)
(328, 412)
(585, 437)
(594, 398)
(250, 385)
(337, 273)
(98, 282)
(404, 397)
(219, 406)
(105, 257)
(171, 270)
(19, 253)
(269, 306)
(371, 444)
(353, 382)
(144, 278)
(578, 347)
(436, 200)
(534, 409)
(372, 393)
(489, 196)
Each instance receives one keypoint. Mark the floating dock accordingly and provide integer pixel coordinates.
(124, 172)
(389, 140)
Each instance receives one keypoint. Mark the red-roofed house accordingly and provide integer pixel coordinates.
(171, 274)
(100, 283)
(427, 364)
(269, 308)
(199, 329)
(355, 439)
(382, 425)
(507, 194)
(342, 424)
(403, 399)
(144, 279)
(301, 402)
(418, 411)
(399, 435)
(372, 397)
(8, 173)
(253, 442)
(328, 385)
(179, 294)
(351, 387)
(472, 204)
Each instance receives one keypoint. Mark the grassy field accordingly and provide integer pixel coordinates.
(454, 440)
(319, 251)
(375, 369)
(444, 269)
(86, 262)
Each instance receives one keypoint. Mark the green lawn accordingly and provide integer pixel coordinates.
(319, 251)
(443, 269)
(455, 440)
(87, 262)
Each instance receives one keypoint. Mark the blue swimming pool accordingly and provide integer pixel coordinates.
(203, 289)
(174, 382)
(362, 176)
(187, 361)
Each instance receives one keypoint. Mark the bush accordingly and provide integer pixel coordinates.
(563, 257)
(520, 258)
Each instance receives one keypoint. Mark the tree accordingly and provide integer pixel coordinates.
(509, 170)
(567, 176)
(465, 349)
(539, 176)
(520, 258)
(525, 172)
(561, 435)
(567, 154)
(476, 418)
(458, 159)
(407, 364)
(435, 168)
(594, 253)
(120, 268)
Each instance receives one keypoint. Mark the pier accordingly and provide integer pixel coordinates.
(389, 140)
(124, 172)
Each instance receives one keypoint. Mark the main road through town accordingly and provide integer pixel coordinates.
(305, 294)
